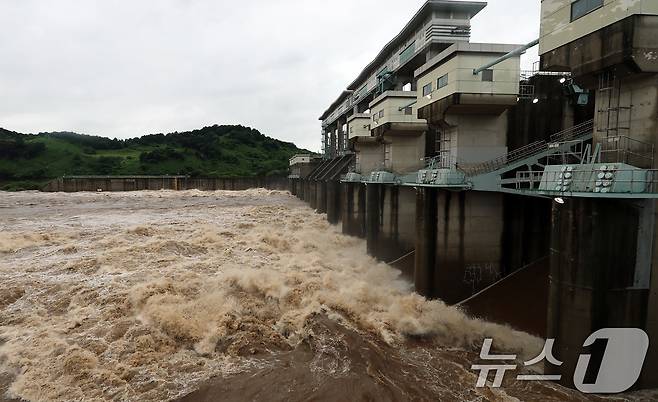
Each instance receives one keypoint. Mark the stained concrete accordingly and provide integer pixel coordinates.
(354, 209)
(593, 261)
(390, 222)
(138, 183)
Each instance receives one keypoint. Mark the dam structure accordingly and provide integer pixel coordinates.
(527, 197)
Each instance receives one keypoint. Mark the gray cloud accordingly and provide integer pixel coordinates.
(128, 68)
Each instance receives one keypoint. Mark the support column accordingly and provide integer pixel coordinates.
(650, 375)
(347, 201)
(292, 186)
(313, 198)
(321, 197)
(373, 214)
(334, 204)
(594, 246)
(341, 136)
(426, 227)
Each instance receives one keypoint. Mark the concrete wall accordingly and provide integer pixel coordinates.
(404, 153)
(594, 255)
(354, 209)
(476, 138)
(650, 374)
(137, 184)
(334, 197)
(390, 222)
(461, 79)
(386, 109)
(557, 29)
(369, 156)
(637, 95)
(469, 244)
(358, 126)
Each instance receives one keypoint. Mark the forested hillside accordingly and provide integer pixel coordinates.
(28, 161)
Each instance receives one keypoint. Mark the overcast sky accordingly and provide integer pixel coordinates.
(126, 68)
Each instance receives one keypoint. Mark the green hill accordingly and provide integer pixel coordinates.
(28, 161)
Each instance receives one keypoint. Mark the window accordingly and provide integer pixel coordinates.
(487, 75)
(381, 113)
(387, 156)
(427, 89)
(407, 87)
(442, 82)
(580, 8)
(407, 111)
(407, 53)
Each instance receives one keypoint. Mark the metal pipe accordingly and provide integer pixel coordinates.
(513, 53)
(401, 108)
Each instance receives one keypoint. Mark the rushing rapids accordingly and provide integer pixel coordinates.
(152, 296)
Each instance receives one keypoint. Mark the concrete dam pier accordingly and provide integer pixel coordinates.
(525, 197)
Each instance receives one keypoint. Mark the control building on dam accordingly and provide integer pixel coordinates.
(527, 197)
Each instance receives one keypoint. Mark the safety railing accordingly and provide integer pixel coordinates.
(500, 162)
(529, 150)
(600, 181)
(443, 160)
(623, 149)
(574, 132)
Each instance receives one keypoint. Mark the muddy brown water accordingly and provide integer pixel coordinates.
(193, 296)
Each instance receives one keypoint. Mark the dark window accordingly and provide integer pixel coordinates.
(487, 75)
(581, 8)
(443, 81)
(407, 111)
(427, 89)
(407, 53)
(381, 114)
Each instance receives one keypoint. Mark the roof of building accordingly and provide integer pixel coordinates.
(428, 7)
(431, 5)
(337, 102)
(491, 48)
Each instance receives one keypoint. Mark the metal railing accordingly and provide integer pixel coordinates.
(617, 181)
(623, 149)
(574, 132)
(526, 91)
(527, 74)
(444, 160)
(529, 150)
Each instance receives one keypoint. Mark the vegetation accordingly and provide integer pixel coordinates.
(28, 161)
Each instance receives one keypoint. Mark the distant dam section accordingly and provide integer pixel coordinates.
(71, 184)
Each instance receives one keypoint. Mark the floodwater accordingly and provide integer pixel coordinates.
(151, 296)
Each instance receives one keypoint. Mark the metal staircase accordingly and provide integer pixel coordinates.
(332, 169)
(531, 153)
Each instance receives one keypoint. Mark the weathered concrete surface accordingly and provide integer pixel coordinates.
(526, 231)
(624, 44)
(425, 257)
(334, 202)
(313, 194)
(650, 372)
(391, 223)
(138, 183)
(593, 266)
(321, 197)
(519, 300)
(468, 244)
(354, 209)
